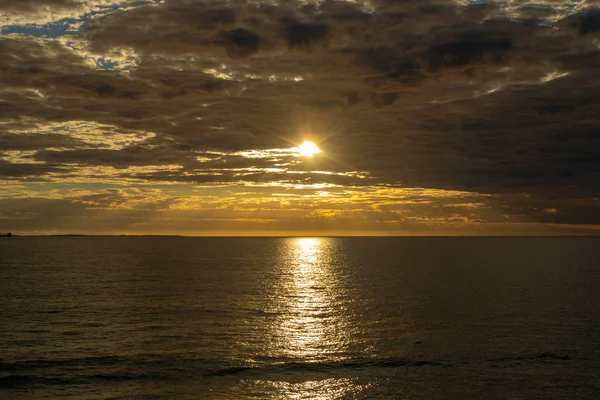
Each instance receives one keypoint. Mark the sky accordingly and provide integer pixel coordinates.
(433, 117)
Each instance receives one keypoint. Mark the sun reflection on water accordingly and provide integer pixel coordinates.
(325, 389)
(307, 251)
(311, 327)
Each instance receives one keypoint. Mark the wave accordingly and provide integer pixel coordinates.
(543, 357)
(150, 367)
(329, 365)
(370, 363)
(70, 362)
(15, 381)
(19, 381)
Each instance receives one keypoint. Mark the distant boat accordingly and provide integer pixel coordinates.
(6, 234)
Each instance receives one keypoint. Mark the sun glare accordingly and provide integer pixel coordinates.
(308, 149)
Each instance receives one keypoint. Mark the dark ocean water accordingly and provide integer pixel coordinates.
(265, 318)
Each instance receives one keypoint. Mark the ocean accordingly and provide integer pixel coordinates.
(299, 318)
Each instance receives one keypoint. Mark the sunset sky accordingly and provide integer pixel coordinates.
(433, 117)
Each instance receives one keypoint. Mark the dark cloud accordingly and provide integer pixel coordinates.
(130, 156)
(175, 27)
(496, 98)
(460, 54)
(27, 142)
(304, 35)
(240, 42)
(10, 170)
(590, 22)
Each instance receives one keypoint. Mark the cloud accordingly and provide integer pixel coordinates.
(35, 13)
(222, 210)
(495, 98)
(10, 170)
(240, 42)
(33, 5)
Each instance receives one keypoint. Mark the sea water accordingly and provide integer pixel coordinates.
(299, 318)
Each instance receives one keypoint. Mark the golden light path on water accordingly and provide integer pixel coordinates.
(314, 325)
(308, 330)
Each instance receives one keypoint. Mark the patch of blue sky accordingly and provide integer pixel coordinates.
(102, 63)
(570, 7)
(107, 64)
(574, 4)
(59, 128)
(69, 26)
(66, 26)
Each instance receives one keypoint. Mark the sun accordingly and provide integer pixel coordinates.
(308, 149)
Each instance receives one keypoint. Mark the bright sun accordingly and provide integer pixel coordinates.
(308, 149)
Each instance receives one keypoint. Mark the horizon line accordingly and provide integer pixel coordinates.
(307, 236)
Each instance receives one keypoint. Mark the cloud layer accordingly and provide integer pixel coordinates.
(495, 100)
